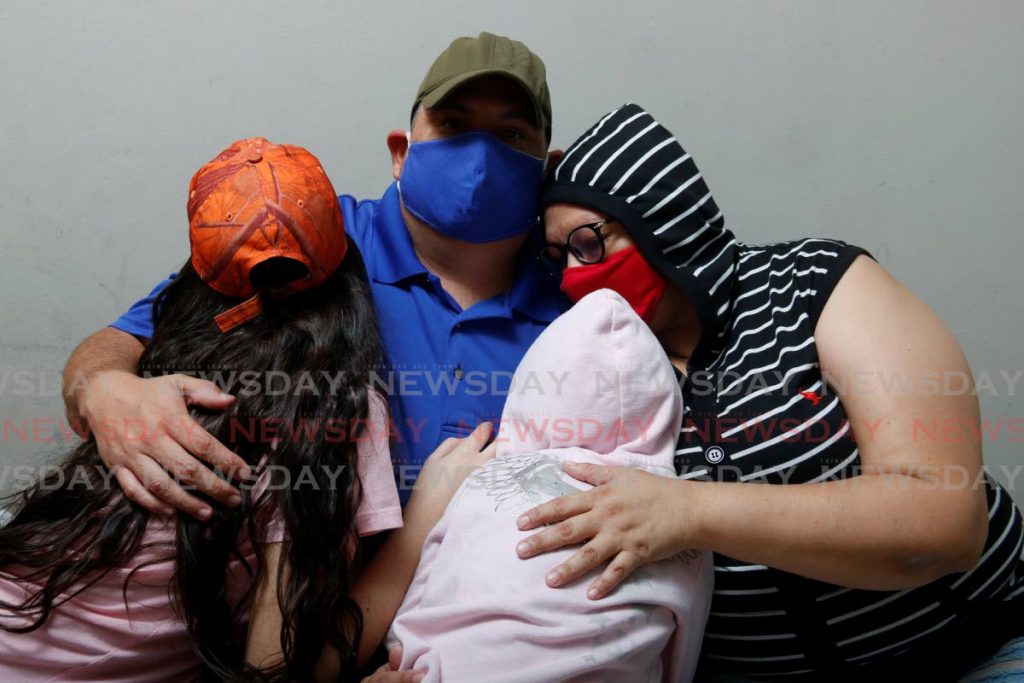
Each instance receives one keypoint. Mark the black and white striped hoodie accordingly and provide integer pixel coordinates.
(759, 410)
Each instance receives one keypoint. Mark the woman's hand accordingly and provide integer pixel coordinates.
(445, 470)
(386, 675)
(389, 673)
(630, 516)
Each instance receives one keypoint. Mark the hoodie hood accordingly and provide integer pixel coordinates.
(596, 379)
(631, 168)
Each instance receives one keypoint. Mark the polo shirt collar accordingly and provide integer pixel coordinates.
(394, 255)
(534, 293)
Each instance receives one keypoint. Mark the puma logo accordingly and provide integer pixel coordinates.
(812, 397)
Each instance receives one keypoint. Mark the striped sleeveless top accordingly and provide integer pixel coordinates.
(758, 409)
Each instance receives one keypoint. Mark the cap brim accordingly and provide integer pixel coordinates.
(443, 90)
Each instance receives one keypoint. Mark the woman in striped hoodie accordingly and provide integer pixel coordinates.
(852, 537)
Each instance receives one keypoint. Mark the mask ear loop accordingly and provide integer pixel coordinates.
(408, 143)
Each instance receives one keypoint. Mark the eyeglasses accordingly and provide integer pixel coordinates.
(585, 243)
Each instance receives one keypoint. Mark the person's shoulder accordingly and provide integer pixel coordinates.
(803, 248)
(360, 216)
(805, 270)
(355, 210)
(353, 203)
(806, 256)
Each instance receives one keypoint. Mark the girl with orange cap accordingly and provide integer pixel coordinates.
(93, 587)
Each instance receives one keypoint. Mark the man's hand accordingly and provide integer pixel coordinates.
(147, 438)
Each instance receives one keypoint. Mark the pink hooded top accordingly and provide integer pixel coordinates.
(596, 386)
(95, 637)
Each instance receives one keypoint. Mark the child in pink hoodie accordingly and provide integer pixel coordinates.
(595, 387)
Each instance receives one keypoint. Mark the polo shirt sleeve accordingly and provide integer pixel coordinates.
(379, 507)
(138, 319)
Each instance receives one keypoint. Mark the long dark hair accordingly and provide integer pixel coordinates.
(70, 528)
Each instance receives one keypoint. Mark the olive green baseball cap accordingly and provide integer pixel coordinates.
(487, 55)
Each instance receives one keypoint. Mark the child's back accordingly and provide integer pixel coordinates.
(111, 631)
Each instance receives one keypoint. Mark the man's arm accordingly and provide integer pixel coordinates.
(108, 349)
(143, 428)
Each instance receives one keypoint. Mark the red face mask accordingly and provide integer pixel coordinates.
(626, 272)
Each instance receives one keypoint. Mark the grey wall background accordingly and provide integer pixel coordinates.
(893, 124)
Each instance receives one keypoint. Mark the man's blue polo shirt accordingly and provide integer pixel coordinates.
(448, 369)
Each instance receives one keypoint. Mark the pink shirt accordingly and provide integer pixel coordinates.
(596, 386)
(92, 637)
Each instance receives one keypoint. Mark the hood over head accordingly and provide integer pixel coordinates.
(631, 168)
(598, 379)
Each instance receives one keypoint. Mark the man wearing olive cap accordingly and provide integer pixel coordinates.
(447, 251)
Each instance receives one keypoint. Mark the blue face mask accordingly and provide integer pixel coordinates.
(472, 187)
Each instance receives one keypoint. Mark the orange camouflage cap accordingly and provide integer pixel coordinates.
(257, 201)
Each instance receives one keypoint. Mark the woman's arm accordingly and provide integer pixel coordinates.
(381, 587)
(898, 525)
(915, 514)
(263, 648)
